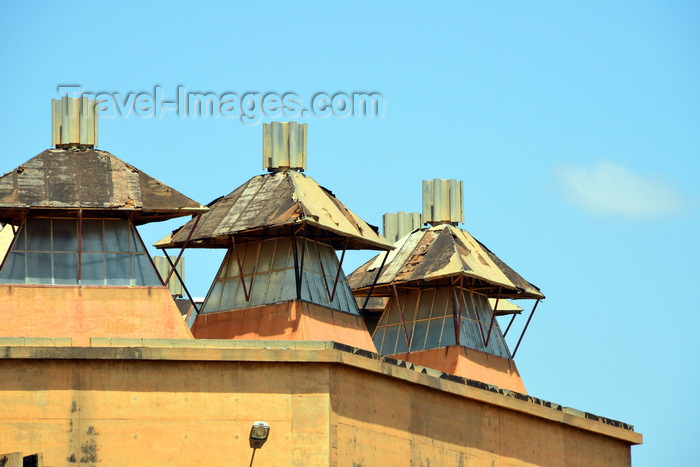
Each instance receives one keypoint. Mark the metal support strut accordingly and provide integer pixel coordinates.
(299, 265)
(184, 287)
(493, 317)
(403, 320)
(374, 283)
(182, 250)
(525, 328)
(246, 291)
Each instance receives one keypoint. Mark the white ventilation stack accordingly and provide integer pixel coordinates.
(163, 266)
(284, 146)
(443, 202)
(74, 122)
(398, 225)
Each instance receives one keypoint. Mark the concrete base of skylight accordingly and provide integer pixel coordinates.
(469, 363)
(81, 312)
(294, 320)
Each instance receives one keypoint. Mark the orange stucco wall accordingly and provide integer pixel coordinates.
(292, 320)
(194, 405)
(417, 426)
(84, 312)
(469, 363)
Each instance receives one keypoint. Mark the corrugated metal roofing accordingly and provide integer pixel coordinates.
(278, 204)
(90, 180)
(443, 251)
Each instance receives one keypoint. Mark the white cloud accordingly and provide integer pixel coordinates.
(611, 190)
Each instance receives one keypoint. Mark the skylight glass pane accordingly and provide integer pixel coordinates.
(65, 235)
(92, 235)
(38, 268)
(289, 292)
(329, 260)
(403, 298)
(350, 298)
(409, 309)
(448, 333)
(469, 310)
(463, 337)
(249, 256)
(266, 253)
(401, 344)
(19, 242)
(468, 333)
(318, 289)
(259, 288)
(426, 303)
(434, 331)
(65, 268)
(282, 257)
(305, 291)
(118, 268)
(236, 290)
(310, 261)
(143, 271)
(389, 345)
(392, 314)
(226, 265)
(483, 308)
(478, 337)
(281, 285)
(443, 303)
(496, 343)
(378, 337)
(213, 301)
(13, 271)
(135, 243)
(275, 286)
(38, 234)
(92, 269)
(344, 300)
(440, 330)
(117, 234)
(419, 332)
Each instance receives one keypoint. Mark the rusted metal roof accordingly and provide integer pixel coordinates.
(277, 204)
(438, 253)
(71, 179)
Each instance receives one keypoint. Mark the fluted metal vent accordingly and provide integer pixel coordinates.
(284, 146)
(74, 122)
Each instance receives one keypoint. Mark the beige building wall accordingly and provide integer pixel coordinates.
(126, 402)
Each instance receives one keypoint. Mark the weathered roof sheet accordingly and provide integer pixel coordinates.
(439, 252)
(90, 180)
(374, 304)
(274, 204)
(505, 307)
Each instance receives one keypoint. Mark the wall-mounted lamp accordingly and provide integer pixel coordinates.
(258, 435)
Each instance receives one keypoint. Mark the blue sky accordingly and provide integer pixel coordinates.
(575, 128)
